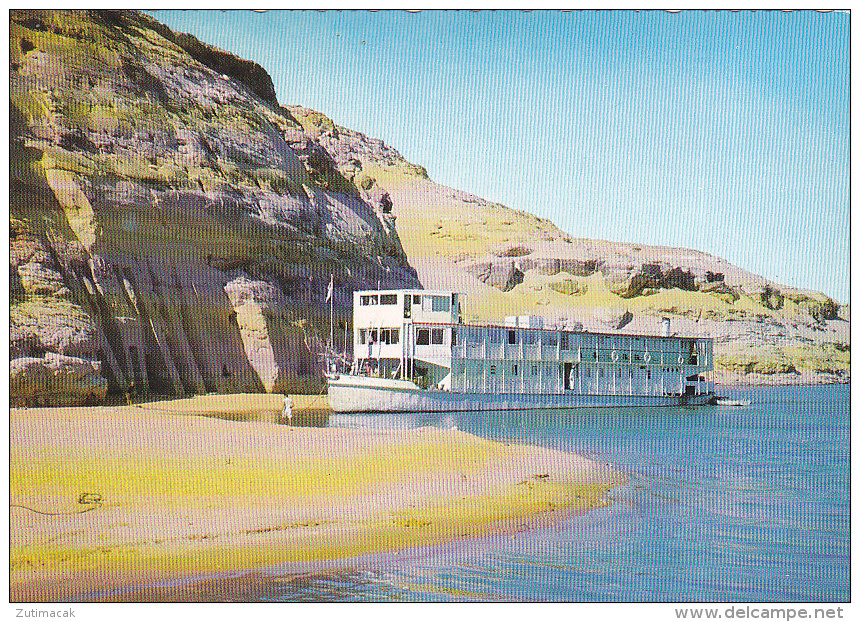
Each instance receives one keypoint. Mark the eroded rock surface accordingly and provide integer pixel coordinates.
(171, 222)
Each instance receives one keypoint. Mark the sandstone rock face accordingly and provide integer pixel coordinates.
(170, 221)
(56, 380)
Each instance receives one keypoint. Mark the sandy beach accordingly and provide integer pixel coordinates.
(116, 497)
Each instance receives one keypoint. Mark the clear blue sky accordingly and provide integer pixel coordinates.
(726, 132)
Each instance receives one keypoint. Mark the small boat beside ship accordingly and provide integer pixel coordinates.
(724, 401)
(413, 353)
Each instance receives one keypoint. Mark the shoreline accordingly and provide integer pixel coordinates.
(180, 496)
(188, 588)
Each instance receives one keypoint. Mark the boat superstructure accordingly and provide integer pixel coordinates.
(413, 352)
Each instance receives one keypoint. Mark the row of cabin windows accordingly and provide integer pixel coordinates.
(435, 336)
(377, 299)
(427, 303)
(373, 335)
(424, 337)
(553, 338)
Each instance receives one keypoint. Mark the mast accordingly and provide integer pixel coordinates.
(330, 299)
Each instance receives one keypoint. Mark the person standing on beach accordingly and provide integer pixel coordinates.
(287, 412)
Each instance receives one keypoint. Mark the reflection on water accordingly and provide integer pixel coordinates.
(722, 504)
(334, 586)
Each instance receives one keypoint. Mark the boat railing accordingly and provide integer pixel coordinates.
(536, 352)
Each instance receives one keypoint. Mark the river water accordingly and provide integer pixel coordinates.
(746, 504)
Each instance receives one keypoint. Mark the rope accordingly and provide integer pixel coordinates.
(92, 507)
(93, 500)
(321, 393)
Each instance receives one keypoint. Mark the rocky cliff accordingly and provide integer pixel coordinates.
(172, 226)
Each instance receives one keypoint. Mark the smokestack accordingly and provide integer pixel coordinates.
(666, 326)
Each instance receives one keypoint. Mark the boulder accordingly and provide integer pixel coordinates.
(615, 319)
(503, 275)
(721, 291)
(511, 250)
(568, 286)
(56, 380)
(817, 306)
(576, 267)
(677, 278)
(631, 284)
(766, 294)
(540, 265)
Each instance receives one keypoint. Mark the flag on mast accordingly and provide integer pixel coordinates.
(330, 289)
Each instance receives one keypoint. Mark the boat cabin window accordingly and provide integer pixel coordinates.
(369, 300)
(436, 304)
(436, 336)
(390, 335)
(367, 336)
(423, 338)
(388, 299)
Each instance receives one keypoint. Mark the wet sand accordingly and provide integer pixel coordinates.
(117, 497)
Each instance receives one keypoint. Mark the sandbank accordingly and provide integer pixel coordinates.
(110, 498)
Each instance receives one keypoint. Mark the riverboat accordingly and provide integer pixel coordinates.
(413, 352)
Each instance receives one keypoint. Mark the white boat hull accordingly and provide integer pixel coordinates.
(354, 394)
